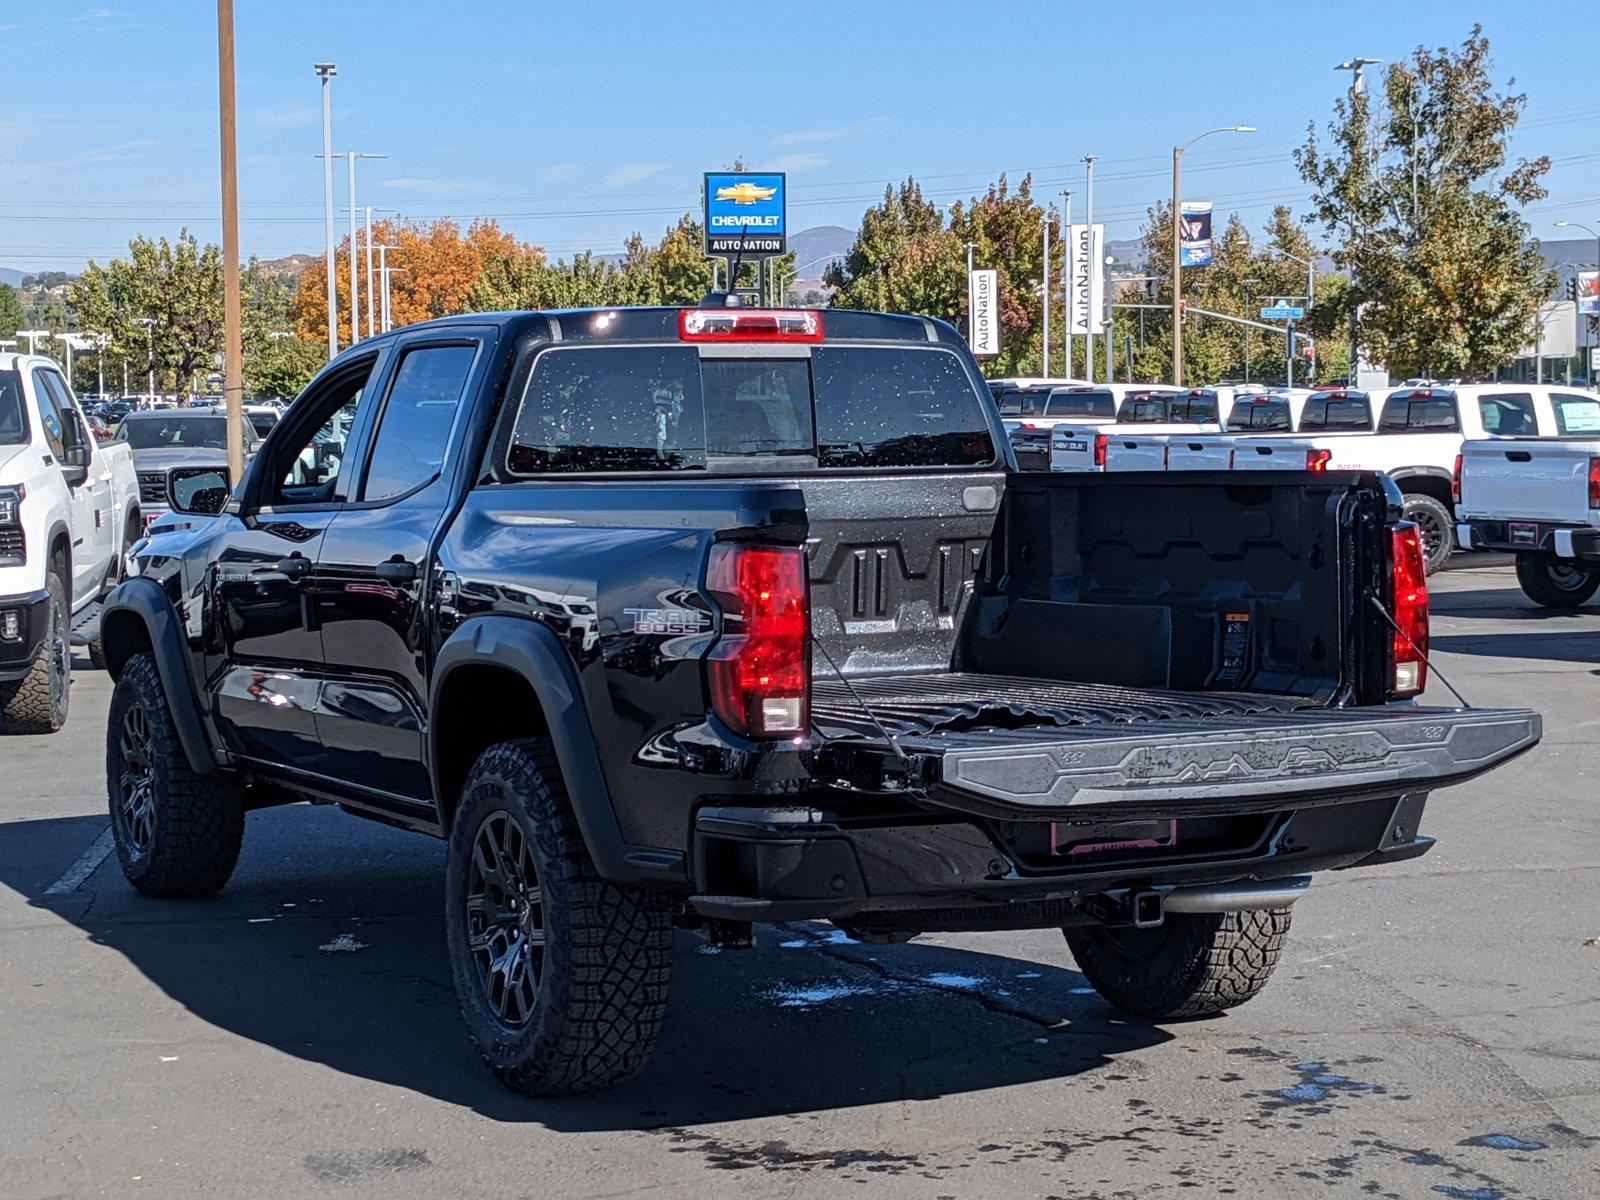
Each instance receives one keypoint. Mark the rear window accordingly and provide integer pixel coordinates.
(175, 432)
(1020, 402)
(1259, 414)
(1508, 415)
(1099, 404)
(1408, 412)
(663, 408)
(1145, 407)
(1574, 414)
(1200, 409)
(1336, 412)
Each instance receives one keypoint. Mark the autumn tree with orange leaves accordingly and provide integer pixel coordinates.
(433, 267)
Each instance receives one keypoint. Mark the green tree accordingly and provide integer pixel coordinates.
(278, 362)
(12, 316)
(1420, 194)
(178, 285)
(1004, 228)
(904, 259)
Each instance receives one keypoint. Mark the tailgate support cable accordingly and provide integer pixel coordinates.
(856, 696)
(1422, 654)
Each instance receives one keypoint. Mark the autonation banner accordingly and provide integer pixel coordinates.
(745, 214)
(1195, 230)
(983, 300)
(1086, 280)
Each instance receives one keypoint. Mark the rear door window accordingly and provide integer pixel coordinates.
(1509, 414)
(1092, 404)
(664, 408)
(417, 416)
(1575, 413)
(1020, 402)
(1144, 408)
(1259, 414)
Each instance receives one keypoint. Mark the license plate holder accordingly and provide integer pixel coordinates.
(1067, 841)
(1075, 446)
(1523, 533)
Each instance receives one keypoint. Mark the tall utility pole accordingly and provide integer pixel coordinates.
(1044, 279)
(355, 269)
(972, 317)
(1358, 87)
(1177, 243)
(1094, 265)
(1066, 279)
(232, 344)
(370, 292)
(326, 71)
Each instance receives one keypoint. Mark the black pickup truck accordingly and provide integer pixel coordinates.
(712, 616)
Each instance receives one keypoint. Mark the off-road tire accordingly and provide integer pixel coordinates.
(606, 959)
(1554, 582)
(1435, 526)
(1192, 965)
(37, 703)
(196, 821)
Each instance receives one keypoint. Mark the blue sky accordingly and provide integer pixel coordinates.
(576, 123)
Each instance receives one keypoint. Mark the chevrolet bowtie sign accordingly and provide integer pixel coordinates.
(745, 215)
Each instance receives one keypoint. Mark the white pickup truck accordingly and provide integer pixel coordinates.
(1196, 449)
(1539, 498)
(68, 510)
(1137, 439)
(1413, 434)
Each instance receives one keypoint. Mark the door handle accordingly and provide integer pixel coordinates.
(397, 570)
(296, 566)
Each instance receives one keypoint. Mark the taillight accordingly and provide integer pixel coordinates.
(1409, 673)
(1455, 481)
(760, 669)
(1317, 461)
(1101, 441)
(1594, 483)
(750, 325)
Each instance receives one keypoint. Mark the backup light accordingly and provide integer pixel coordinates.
(750, 325)
(1410, 668)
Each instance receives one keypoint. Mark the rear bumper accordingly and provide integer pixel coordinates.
(803, 863)
(1581, 542)
(17, 654)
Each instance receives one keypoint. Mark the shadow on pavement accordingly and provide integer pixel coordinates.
(808, 1021)
(1570, 645)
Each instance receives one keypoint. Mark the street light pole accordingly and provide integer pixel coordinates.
(150, 342)
(972, 317)
(355, 271)
(1066, 281)
(326, 71)
(1177, 243)
(1311, 293)
(370, 292)
(1044, 280)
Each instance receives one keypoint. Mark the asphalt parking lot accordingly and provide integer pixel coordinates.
(1434, 1029)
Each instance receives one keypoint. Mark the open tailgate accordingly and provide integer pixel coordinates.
(1216, 763)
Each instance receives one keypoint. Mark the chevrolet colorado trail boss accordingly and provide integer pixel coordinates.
(712, 616)
(69, 511)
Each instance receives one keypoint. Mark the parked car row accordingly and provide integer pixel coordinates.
(1413, 434)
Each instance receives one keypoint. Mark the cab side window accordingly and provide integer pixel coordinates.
(417, 417)
(308, 466)
(1509, 414)
(52, 419)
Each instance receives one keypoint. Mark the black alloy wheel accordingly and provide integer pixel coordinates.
(505, 919)
(136, 798)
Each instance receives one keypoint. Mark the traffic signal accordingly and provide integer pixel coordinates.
(1572, 288)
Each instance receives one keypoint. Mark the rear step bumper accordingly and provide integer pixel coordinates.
(1252, 764)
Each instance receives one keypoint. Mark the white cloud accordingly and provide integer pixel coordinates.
(556, 172)
(105, 19)
(813, 137)
(631, 173)
(285, 116)
(796, 162)
(443, 189)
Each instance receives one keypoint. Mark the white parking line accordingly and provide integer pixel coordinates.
(96, 854)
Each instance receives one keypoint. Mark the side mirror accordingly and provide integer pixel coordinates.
(198, 491)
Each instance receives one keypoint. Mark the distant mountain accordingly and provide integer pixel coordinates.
(814, 249)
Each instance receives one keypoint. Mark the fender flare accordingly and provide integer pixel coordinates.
(1401, 474)
(64, 531)
(144, 601)
(531, 651)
